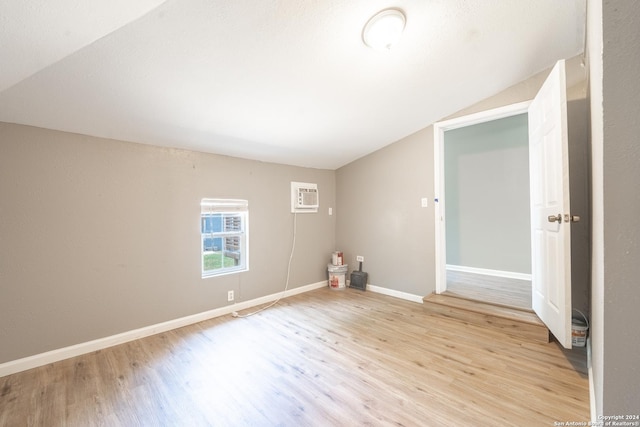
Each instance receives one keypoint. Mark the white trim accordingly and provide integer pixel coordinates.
(439, 203)
(41, 359)
(592, 390)
(394, 293)
(489, 272)
(484, 116)
(438, 183)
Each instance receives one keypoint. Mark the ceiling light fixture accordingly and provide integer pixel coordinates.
(384, 29)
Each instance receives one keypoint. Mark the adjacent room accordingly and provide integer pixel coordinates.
(286, 213)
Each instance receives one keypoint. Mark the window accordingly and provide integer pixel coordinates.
(224, 227)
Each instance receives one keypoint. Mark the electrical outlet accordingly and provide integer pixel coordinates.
(230, 296)
(360, 258)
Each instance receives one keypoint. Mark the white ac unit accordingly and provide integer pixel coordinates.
(304, 197)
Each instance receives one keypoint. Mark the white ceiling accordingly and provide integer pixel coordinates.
(286, 81)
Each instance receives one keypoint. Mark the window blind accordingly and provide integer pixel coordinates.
(223, 205)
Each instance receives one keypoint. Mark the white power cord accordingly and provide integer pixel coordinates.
(286, 285)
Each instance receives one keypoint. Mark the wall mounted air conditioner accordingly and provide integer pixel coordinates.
(304, 197)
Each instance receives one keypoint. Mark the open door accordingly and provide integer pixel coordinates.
(550, 209)
(440, 128)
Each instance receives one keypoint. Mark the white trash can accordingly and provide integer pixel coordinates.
(337, 276)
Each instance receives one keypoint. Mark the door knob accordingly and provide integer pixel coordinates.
(554, 218)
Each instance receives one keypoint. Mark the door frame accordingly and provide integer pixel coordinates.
(439, 128)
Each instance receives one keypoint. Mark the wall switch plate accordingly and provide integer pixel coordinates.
(359, 258)
(424, 202)
(230, 296)
(330, 211)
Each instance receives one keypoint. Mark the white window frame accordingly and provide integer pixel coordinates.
(227, 208)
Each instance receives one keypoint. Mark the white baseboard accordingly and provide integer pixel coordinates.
(41, 359)
(488, 272)
(592, 390)
(394, 293)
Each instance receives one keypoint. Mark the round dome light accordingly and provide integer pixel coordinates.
(384, 29)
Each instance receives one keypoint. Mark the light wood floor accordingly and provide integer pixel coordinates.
(492, 289)
(323, 358)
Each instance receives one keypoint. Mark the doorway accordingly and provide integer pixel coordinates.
(484, 234)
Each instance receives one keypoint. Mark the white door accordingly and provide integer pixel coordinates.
(550, 210)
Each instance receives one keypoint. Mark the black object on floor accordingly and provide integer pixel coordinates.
(359, 279)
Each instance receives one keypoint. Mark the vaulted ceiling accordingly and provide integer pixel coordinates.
(286, 81)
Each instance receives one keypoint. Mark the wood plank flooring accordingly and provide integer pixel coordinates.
(491, 289)
(521, 324)
(322, 358)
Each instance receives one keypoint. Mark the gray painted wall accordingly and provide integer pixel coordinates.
(379, 214)
(619, 160)
(486, 171)
(101, 237)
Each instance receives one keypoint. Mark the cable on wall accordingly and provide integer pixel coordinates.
(286, 285)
